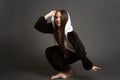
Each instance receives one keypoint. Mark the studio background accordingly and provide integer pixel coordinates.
(22, 56)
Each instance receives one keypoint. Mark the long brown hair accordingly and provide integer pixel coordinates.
(60, 40)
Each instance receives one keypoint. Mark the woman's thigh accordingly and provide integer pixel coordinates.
(56, 59)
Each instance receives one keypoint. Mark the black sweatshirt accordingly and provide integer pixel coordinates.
(72, 38)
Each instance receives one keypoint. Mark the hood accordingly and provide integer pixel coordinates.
(68, 26)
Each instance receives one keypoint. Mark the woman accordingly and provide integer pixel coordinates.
(68, 49)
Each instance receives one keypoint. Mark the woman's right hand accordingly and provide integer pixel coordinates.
(50, 14)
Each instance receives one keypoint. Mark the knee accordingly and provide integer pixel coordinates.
(48, 51)
(51, 50)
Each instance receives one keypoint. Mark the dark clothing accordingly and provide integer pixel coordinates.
(54, 53)
(57, 60)
(43, 26)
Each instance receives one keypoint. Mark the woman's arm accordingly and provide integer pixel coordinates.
(80, 50)
(42, 24)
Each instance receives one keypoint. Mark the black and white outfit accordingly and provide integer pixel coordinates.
(73, 45)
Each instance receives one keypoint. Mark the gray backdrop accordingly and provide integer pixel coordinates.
(97, 23)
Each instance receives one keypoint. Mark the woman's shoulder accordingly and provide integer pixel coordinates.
(72, 33)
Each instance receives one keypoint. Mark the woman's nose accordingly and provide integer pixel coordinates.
(58, 19)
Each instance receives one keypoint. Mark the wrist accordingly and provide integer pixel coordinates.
(47, 16)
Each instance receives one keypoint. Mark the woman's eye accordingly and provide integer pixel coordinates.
(55, 17)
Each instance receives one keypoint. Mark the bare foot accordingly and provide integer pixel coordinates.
(95, 68)
(63, 75)
(59, 75)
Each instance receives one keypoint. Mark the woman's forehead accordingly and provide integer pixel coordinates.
(58, 13)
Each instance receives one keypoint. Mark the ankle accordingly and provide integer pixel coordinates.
(68, 73)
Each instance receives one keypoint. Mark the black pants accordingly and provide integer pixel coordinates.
(56, 58)
(58, 61)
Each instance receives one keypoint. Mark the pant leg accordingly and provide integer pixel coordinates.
(73, 57)
(55, 57)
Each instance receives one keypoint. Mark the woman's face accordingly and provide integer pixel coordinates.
(58, 19)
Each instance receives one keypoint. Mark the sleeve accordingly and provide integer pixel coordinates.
(80, 50)
(44, 27)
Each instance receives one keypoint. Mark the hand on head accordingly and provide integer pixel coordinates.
(50, 14)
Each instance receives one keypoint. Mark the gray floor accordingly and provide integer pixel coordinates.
(43, 72)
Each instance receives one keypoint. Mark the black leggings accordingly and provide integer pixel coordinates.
(58, 61)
